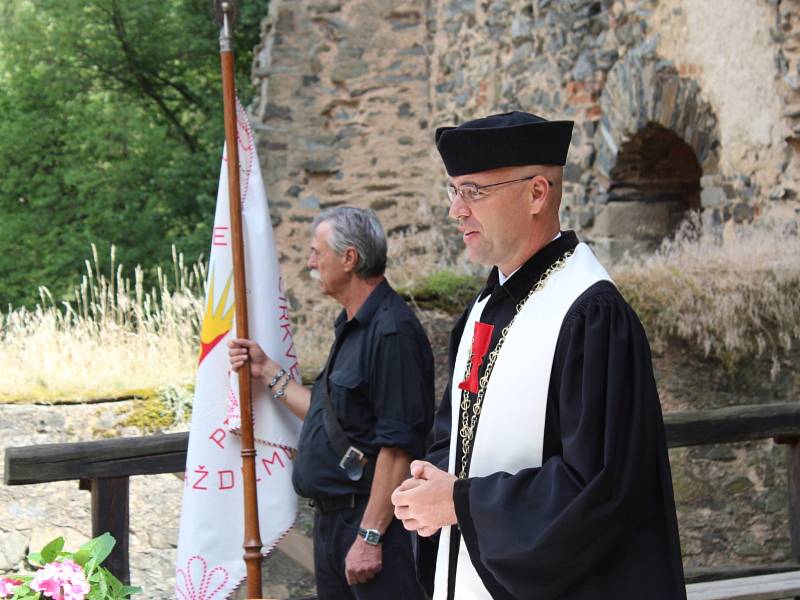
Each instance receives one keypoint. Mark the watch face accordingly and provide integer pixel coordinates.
(372, 537)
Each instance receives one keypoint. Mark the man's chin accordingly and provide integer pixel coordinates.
(474, 255)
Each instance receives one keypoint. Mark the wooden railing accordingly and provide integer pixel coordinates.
(105, 466)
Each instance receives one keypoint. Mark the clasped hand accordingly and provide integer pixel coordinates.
(424, 503)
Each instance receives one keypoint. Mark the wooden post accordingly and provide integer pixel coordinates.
(110, 513)
(252, 536)
(793, 466)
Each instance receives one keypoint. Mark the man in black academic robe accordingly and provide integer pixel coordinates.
(597, 518)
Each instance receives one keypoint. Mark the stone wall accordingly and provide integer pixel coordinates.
(350, 94)
(678, 105)
(343, 117)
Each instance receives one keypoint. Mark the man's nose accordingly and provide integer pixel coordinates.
(458, 208)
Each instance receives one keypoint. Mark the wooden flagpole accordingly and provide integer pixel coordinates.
(252, 536)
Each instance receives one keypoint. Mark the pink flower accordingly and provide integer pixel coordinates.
(62, 580)
(7, 586)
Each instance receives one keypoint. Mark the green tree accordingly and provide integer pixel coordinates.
(111, 133)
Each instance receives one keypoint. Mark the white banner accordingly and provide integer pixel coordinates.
(209, 562)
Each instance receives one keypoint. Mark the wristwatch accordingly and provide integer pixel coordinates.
(371, 536)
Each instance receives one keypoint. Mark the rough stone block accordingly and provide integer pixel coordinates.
(275, 111)
(572, 172)
(459, 8)
(742, 212)
(521, 29)
(778, 192)
(586, 218)
(637, 220)
(348, 69)
(712, 197)
(321, 165)
(707, 181)
(310, 202)
(610, 251)
(13, 546)
(382, 204)
(326, 6)
(584, 67)
(73, 538)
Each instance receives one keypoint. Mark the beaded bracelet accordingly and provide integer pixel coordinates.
(275, 379)
(282, 391)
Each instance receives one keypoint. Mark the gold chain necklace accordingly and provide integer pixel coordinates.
(469, 418)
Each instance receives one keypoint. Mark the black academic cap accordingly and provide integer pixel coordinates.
(510, 139)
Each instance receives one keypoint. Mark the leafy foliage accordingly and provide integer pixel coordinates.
(103, 585)
(111, 133)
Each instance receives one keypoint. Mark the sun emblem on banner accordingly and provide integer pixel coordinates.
(218, 320)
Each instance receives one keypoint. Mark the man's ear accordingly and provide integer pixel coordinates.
(350, 259)
(538, 191)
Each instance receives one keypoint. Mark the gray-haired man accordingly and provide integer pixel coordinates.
(364, 419)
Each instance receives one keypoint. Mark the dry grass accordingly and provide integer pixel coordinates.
(734, 295)
(112, 339)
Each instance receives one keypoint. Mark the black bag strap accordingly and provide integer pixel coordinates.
(351, 459)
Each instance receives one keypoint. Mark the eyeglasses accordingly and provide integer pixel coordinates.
(471, 192)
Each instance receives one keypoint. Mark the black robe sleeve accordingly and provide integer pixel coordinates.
(597, 519)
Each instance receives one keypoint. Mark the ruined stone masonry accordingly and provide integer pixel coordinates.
(679, 105)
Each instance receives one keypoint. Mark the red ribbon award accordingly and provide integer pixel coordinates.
(480, 344)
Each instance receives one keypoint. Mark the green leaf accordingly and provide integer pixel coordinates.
(103, 546)
(114, 583)
(129, 590)
(103, 586)
(25, 593)
(35, 558)
(83, 554)
(94, 552)
(95, 594)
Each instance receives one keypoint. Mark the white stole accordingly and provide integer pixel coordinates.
(511, 431)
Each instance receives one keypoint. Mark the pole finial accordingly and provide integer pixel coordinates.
(226, 12)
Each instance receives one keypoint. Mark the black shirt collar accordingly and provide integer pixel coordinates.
(368, 308)
(519, 284)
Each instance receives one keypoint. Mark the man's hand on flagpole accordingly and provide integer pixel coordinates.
(363, 562)
(296, 397)
(424, 503)
(261, 366)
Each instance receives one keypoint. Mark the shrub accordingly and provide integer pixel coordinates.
(445, 290)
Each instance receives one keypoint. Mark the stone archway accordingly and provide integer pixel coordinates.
(658, 137)
(655, 165)
(655, 180)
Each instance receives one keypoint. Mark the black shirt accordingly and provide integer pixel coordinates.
(381, 388)
(597, 519)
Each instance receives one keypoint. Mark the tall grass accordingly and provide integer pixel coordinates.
(734, 296)
(110, 339)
